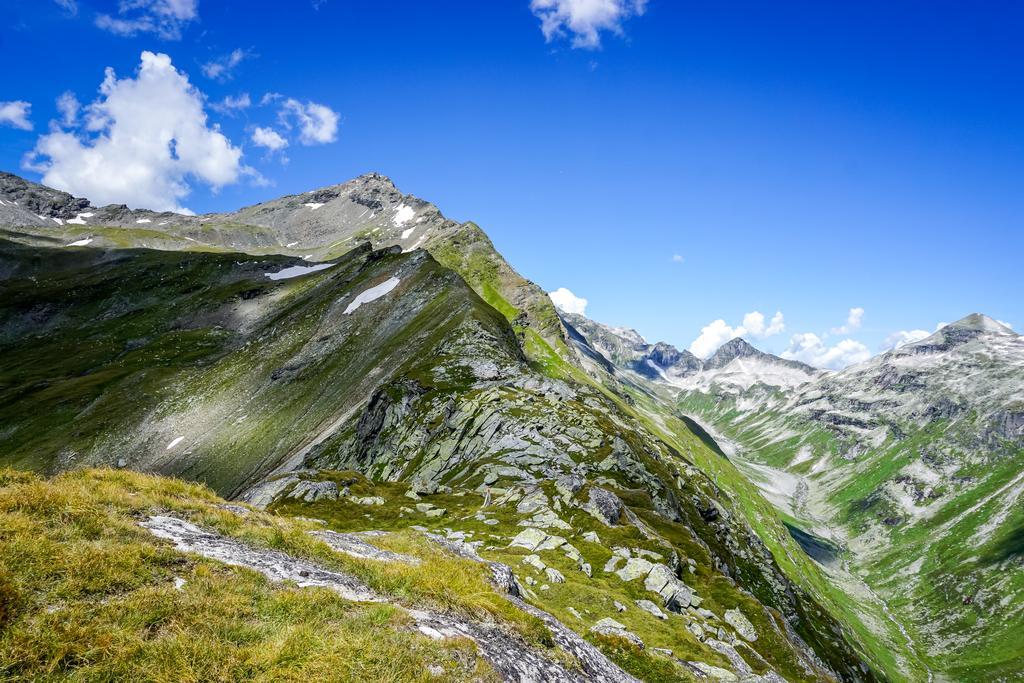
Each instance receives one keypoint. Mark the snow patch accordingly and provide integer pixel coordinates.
(80, 243)
(59, 221)
(372, 294)
(143, 220)
(403, 215)
(296, 271)
(313, 206)
(407, 232)
(290, 245)
(174, 443)
(79, 219)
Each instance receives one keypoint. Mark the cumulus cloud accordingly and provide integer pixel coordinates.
(677, 258)
(567, 301)
(141, 141)
(164, 18)
(222, 68)
(318, 123)
(754, 324)
(811, 349)
(717, 332)
(15, 114)
(713, 335)
(232, 104)
(269, 138)
(853, 322)
(584, 20)
(68, 106)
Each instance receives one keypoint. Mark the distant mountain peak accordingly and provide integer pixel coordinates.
(979, 322)
(730, 351)
(962, 331)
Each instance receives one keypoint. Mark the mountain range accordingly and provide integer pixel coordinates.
(351, 356)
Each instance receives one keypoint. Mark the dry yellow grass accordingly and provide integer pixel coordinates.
(86, 594)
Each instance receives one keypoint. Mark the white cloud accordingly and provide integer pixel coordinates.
(713, 335)
(140, 143)
(809, 348)
(677, 258)
(584, 20)
(318, 124)
(853, 322)
(221, 69)
(717, 332)
(902, 338)
(754, 324)
(68, 106)
(69, 6)
(567, 301)
(232, 104)
(15, 114)
(269, 138)
(165, 18)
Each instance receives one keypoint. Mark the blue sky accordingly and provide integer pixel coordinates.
(673, 163)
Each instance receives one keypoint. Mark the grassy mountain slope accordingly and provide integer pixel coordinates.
(319, 225)
(199, 365)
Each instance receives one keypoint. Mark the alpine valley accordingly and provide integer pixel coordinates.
(337, 436)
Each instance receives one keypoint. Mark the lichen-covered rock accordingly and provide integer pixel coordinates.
(610, 627)
(604, 505)
(636, 567)
(739, 621)
(312, 491)
(650, 607)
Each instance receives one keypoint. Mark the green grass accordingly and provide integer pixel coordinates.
(89, 595)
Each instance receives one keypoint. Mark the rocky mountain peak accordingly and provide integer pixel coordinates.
(730, 351)
(962, 331)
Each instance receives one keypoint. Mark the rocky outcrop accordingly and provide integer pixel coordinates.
(508, 655)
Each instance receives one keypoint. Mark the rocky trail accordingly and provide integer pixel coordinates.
(512, 658)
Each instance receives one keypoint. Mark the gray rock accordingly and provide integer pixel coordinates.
(648, 606)
(604, 505)
(312, 491)
(591, 537)
(636, 567)
(610, 627)
(739, 621)
(367, 500)
(535, 562)
(554, 576)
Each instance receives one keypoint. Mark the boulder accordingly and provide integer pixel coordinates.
(312, 491)
(610, 565)
(604, 505)
(650, 607)
(739, 621)
(554, 576)
(535, 562)
(610, 627)
(636, 567)
(528, 538)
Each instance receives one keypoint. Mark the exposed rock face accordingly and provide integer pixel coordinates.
(509, 656)
(739, 621)
(312, 491)
(604, 505)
